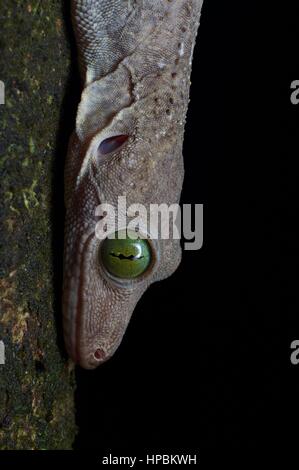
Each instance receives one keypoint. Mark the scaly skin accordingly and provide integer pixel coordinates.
(135, 58)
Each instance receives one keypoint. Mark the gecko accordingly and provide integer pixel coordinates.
(135, 59)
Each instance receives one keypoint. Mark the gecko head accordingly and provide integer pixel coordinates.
(122, 146)
(104, 277)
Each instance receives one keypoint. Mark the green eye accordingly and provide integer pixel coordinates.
(126, 258)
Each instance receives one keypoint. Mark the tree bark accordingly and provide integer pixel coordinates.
(36, 382)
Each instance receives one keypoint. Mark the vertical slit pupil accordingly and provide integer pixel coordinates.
(112, 143)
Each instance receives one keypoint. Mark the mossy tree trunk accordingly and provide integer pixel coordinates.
(36, 383)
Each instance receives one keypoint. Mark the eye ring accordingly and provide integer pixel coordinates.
(111, 144)
(123, 281)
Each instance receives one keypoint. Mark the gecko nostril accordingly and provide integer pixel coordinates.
(99, 354)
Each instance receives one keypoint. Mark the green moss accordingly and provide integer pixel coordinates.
(36, 386)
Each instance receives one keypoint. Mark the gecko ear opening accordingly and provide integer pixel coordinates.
(111, 144)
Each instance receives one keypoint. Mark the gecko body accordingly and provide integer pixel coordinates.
(135, 60)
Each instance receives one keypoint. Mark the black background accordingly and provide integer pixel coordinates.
(200, 364)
